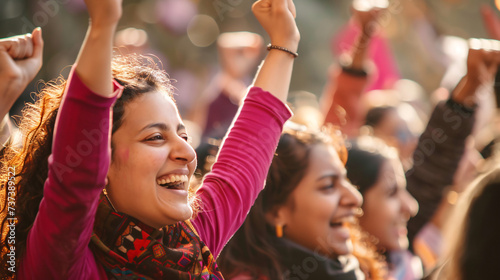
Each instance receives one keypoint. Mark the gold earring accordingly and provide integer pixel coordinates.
(359, 212)
(107, 197)
(279, 231)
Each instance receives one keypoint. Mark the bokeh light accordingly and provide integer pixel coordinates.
(131, 37)
(203, 31)
(175, 15)
(366, 5)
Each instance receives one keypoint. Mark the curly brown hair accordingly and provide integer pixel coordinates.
(371, 261)
(136, 73)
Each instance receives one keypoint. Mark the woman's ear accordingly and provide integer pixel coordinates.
(278, 216)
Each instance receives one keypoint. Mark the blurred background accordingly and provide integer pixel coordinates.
(183, 34)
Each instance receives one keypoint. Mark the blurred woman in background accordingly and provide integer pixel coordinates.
(388, 207)
(302, 223)
(378, 173)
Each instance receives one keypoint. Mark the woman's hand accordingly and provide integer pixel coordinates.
(21, 57)
(367, 18)
(94, 61)
(20, 61)
(483, 60)
(104, 12)
(277, 17)
(482, 64)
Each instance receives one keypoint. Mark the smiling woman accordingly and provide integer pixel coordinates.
(139, 156)
(322, 205)
(301, 224)
(377, 171)
(126, 213)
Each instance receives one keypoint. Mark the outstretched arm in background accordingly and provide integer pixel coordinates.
(442, 144)
(342, 94)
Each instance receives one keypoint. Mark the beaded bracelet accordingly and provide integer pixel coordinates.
(270, 47)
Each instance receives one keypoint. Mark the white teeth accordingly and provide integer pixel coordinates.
(344, 221)
(172, 179)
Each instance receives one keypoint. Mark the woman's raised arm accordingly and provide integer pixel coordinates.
(277, 17)
(79, 160)
(239, 173)
(94, 60)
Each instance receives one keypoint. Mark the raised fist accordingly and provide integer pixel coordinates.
(277, 17)
(20, 61)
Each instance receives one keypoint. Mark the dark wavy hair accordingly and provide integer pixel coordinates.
(136, 73)
(251, 251)
(367, 154)
(377, 114)
(472, 233)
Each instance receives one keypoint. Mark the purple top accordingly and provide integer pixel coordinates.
(57, 245)
(220, 115)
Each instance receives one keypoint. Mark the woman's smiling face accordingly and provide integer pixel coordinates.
(317, 213)
(388, 206)
(152, 162)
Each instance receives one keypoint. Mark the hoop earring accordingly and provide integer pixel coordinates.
(279, 231)
(107, 197)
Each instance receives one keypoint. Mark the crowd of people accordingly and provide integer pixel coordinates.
(102, 182)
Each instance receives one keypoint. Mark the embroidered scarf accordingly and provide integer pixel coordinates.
(129, 249)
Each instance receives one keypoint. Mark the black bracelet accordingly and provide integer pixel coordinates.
(270, 47)
(460, 108)
(354, 72)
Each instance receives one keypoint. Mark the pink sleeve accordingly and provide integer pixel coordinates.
(342, 99)
(57, 245)
(241, 168)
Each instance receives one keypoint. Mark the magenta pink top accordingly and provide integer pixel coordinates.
(57, 245)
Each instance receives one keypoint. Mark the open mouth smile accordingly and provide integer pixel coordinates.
(173, 182)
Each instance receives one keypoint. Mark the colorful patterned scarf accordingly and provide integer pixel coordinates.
(129, 249)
